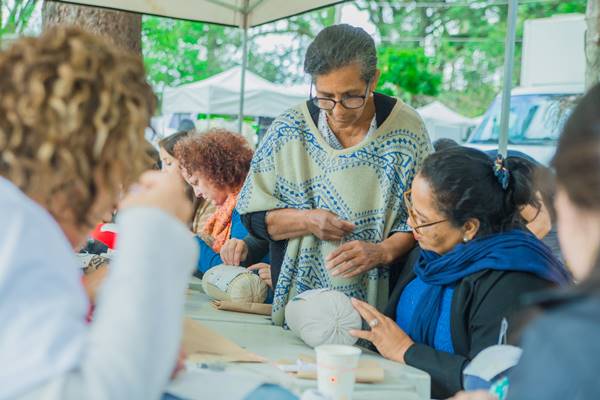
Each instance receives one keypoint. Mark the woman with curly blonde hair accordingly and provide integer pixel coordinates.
(72, 115)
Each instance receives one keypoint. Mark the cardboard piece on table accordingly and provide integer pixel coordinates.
(368, 371)
(202, 344)
(249, 308)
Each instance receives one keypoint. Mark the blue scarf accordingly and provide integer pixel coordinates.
(516, 250)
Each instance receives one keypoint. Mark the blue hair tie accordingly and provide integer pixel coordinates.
(501, 171)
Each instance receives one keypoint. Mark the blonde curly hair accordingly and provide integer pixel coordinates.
(73, 109)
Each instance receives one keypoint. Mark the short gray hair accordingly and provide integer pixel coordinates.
(338, 46)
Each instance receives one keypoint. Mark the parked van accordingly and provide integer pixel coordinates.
(552, 79)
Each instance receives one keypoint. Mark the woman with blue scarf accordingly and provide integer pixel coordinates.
(476, 260)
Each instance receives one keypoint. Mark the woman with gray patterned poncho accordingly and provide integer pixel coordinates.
(325, 186)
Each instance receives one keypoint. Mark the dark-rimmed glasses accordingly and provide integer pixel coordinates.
(348, 102)
(411, 213)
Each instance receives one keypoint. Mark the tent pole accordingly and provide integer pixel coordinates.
(509, 58)
(244, 66)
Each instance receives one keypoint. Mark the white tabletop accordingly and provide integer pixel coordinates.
(257, 334)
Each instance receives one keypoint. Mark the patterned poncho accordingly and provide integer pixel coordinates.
(294, 167)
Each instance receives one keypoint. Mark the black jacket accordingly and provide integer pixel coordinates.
(479, 303)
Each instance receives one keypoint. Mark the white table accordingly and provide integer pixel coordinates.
(257, 334)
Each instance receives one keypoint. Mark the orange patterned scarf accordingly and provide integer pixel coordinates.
(218, 225)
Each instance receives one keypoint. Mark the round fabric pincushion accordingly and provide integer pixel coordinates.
(322, 316)
(227, 282)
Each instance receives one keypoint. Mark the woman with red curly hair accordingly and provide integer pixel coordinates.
(215, 165)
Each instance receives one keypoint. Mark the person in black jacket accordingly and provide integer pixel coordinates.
(561, 350)
(475, 260)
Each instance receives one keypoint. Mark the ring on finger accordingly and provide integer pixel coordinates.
(373, 323)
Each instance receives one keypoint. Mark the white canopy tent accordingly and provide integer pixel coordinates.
(442, 122)
(220, 94)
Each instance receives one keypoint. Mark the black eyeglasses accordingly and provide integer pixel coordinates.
(348, 102)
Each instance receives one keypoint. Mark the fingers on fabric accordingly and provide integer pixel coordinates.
(264, 272)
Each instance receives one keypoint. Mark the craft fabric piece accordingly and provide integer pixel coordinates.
(322, 317)
(294, 167)
(249, 308)
(490, 364)
(236, 284)
(202, 344)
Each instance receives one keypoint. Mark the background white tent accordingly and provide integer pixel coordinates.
(220, 94)
(442, 122)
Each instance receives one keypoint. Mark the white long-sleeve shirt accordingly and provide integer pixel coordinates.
(46, 348)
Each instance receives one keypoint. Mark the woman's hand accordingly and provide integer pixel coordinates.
(264, 271)
(354, 258)
(477, 395)
(326, 225)
(234, 252)
(391, 341)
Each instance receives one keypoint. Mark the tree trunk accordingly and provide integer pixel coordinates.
(123, 28)
(592, 43)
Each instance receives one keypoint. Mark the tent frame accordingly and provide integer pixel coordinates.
(246, 10)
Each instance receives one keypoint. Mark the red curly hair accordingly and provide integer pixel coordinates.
(220, 156)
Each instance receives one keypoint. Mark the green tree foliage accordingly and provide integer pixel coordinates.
(178, 52)
(284, 63)
(15, 15)
(452, 49)
(408, 73)
(464, 38)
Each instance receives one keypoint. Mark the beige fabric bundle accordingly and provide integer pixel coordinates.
(322, 316)
(236, 284)
(248, 308)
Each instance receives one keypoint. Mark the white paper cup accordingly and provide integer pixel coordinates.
(336, 370)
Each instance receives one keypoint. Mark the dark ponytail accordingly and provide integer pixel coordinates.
(535, 178)
(465, 186)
